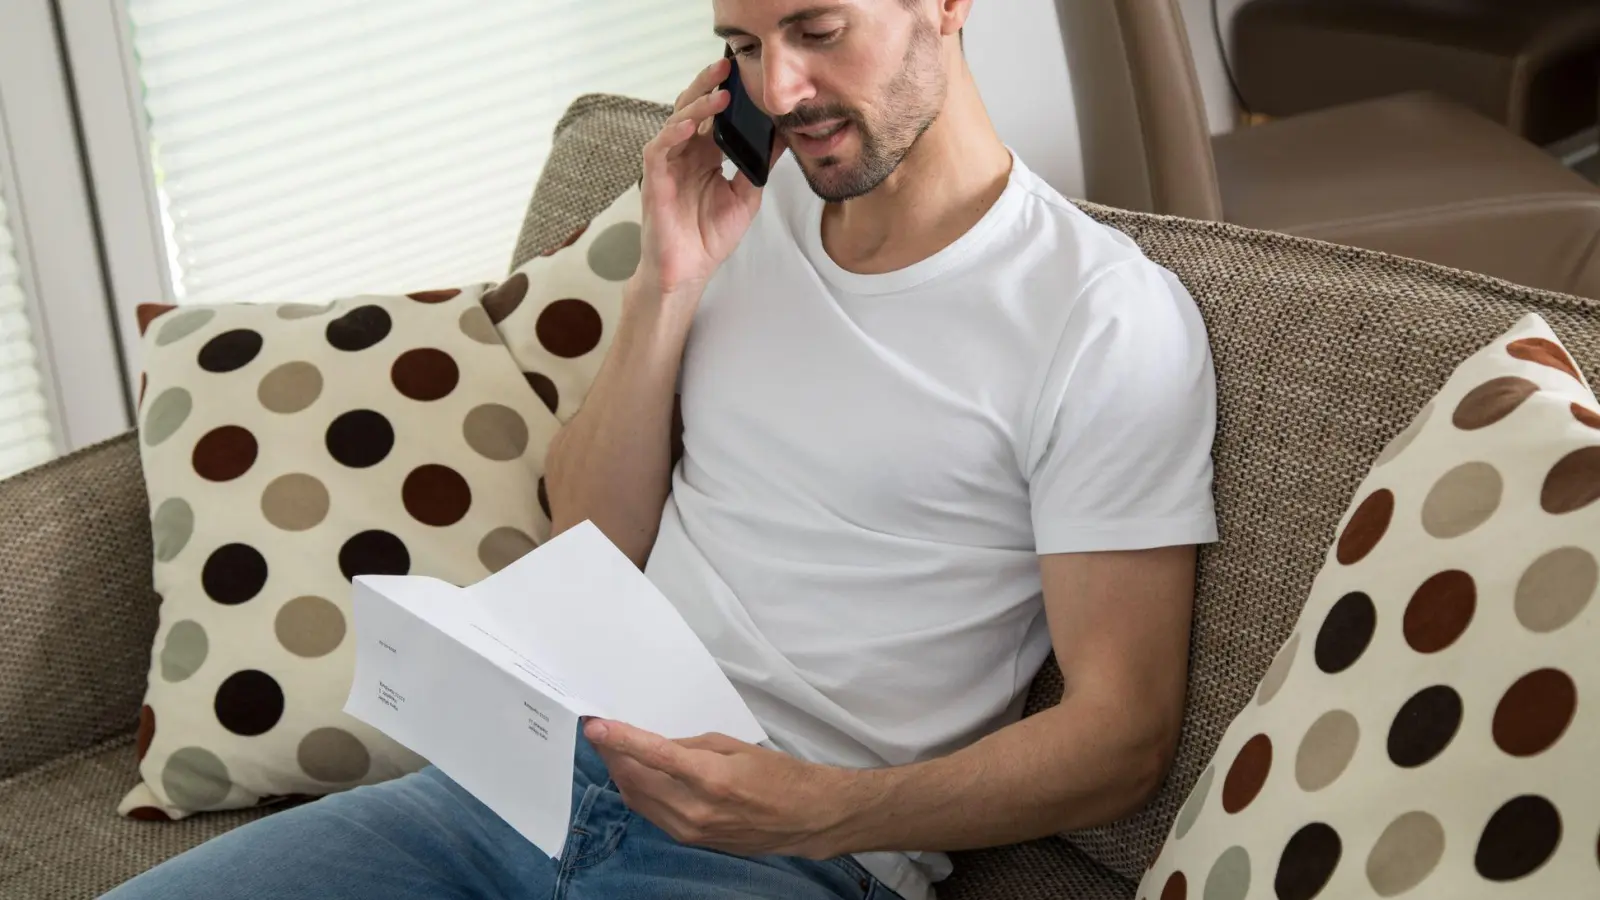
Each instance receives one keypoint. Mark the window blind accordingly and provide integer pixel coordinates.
(307, 149)
(26, 435)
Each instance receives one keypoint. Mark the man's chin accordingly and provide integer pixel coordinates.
(833, 179)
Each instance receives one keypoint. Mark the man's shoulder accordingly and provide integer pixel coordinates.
(1076, 248)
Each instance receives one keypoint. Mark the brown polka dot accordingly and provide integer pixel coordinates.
(1586, 415)
(503, 300)
(436, 495)
(546, 389)
(144, 382)
(1545, 353)
(435, 296)
(147, 730)
(295, 502)
(1492, 401)
(426, 374)
(1346, 632)
(1556, 588)
(374, 553)
(544, 500)
(1535, 712)
(309, 627)
(1425, 726)
(231, 350)
(1176, 888)
(149, 814)
(146, 313)
(1248, 774)
(569, 328)
(225, 453)
(1366, 528)
(1573, 483)
(496, 432)
(1308, 861)
(1440, 611)
(1462, 500)
(290, 388)
(234, 574)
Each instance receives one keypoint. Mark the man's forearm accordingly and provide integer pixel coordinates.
(612, 463)
(1074, 766)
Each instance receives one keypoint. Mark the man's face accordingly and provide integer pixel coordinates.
(851, 84)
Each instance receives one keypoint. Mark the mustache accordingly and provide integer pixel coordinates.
(806, 116)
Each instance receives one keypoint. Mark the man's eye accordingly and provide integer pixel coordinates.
(747, 50)
(824, 37)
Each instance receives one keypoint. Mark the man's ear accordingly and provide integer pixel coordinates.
(953, 15)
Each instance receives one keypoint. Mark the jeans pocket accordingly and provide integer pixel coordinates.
(869, 885)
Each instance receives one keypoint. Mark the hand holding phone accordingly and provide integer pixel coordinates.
(693, 216)
(742, 130)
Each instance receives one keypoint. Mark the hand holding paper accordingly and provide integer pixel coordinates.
(488, 682)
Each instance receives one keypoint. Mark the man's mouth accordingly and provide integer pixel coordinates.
(822, 132)
(819, 140)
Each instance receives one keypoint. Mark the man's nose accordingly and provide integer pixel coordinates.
(785, 84)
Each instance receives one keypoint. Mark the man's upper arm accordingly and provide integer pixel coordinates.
(1119, 622)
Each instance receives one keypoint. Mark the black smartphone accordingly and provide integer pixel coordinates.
(743, 131)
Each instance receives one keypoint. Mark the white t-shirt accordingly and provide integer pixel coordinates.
(874, 463)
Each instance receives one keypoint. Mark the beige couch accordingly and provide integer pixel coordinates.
(1323, 354)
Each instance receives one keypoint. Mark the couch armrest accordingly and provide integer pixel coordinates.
(77, 612)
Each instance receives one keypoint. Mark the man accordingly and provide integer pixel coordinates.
(937, 421)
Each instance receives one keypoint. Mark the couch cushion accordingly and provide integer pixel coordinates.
(61, 838)
(76, 608)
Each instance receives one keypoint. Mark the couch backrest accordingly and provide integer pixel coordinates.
(1323, 354)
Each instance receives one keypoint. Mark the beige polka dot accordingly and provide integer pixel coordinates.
(1326, 750)
(1406, 854)
(295, 502)
(475, 324)
(166, 414)
(1403, 441)
(310, 627)
(334, 756)
(1461, 500)
(171, 527)
(496, 432)
(1190, 813)
(195, 779)
(184, 651)
(1556, 588)
(180, 325)
(1278, 673)
(502, 547)
(292, 311)
(614, 254)
(290, 388)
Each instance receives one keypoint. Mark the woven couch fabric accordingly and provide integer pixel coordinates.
(77, 612)
(63, 840)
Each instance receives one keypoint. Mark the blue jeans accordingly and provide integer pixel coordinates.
(423, 836)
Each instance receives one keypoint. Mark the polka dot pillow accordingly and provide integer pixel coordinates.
(557, 311)
(288, 448)
(1431, 727)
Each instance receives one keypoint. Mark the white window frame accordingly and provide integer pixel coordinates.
(105, 79)
(53, 223)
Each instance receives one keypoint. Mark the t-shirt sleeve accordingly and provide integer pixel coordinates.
(1119, 456)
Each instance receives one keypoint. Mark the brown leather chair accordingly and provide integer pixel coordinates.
(1527, 64)
(1414, 174)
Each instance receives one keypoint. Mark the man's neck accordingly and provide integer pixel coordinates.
(945, 185)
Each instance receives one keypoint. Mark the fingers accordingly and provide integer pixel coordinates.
(651, 750)
(684, 125)
(709, 77)
(715, 743)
